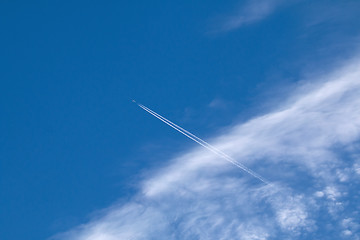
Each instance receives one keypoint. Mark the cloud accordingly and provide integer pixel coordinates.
(251, 12)
(303, 147)
(218, 103)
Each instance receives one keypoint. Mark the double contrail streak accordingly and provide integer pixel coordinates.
(202, 143)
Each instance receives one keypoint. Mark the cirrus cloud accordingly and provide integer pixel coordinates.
(306, 147)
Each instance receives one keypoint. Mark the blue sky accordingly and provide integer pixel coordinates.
(274, 84)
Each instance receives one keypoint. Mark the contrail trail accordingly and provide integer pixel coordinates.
(202, 143)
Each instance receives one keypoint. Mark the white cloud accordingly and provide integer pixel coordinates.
(351, 227)
(218, 103)
(199, 196)
(356, 168)
(332, 193)
(319, 194)
(252, 11)
(343, 174)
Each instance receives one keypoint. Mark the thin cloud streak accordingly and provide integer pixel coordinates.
(300, 146)
(252, 12)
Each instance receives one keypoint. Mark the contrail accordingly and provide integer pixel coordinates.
(202, 142)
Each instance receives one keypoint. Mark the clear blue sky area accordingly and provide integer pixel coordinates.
(71, 140)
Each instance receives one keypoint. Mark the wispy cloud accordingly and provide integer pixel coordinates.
(300, 147)
(251, 12)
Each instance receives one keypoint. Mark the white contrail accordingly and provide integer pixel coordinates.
(202, 143)
(185, 132)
